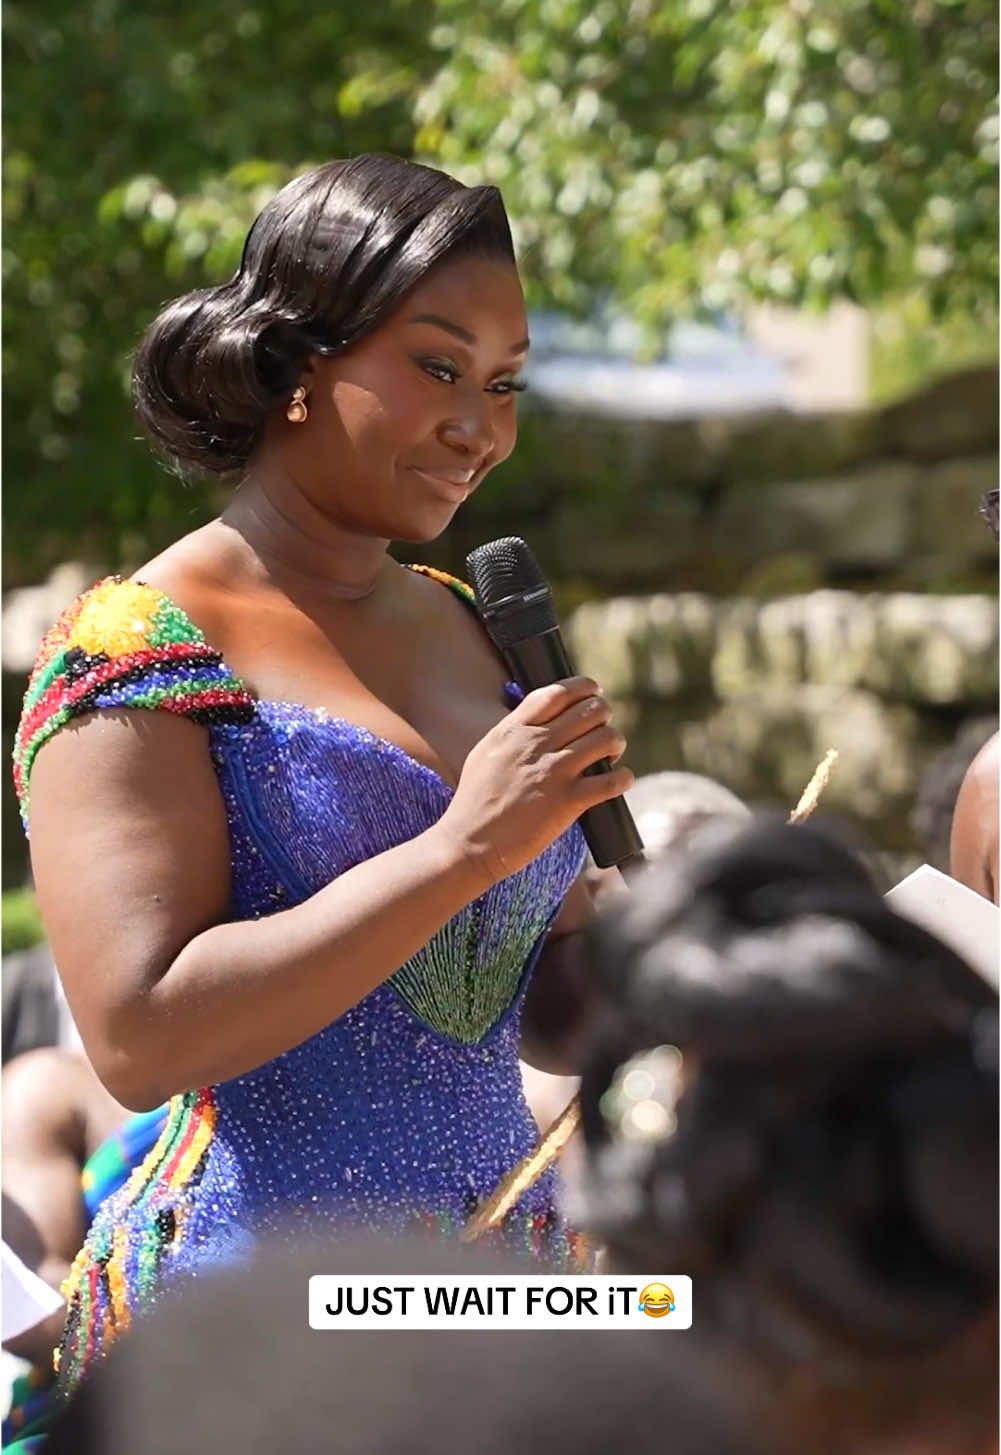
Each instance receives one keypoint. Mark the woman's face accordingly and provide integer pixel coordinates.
(404, 426)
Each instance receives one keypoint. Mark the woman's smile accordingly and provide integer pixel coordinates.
(454, 484)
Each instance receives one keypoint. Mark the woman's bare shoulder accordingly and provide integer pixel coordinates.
(198, 572)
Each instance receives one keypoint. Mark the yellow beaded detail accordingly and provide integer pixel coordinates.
(115, 618)
(196, 1148)
(140, 1175)
(71, 1282)
(117, 1285)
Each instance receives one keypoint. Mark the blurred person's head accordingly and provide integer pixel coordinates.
(373, 329)
(668, 805)
(229, 1366)
(794, 1100)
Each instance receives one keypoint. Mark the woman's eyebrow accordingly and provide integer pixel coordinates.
(459, 332)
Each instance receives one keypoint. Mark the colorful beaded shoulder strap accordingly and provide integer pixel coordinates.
(122, 644)
(465, 593)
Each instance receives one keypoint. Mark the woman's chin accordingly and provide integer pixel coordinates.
(421, 529)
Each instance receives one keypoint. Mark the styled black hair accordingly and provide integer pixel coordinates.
(794, 1099)
(323, 265)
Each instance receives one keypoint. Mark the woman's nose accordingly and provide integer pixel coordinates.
(470, 429)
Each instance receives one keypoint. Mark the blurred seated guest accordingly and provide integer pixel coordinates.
(67, 1145)
(973, 847)
(30, 1003)
(27, 1300)
(229, 1366)
(973, 844)
(939, 787)
(26, 1303)
(794, 1100)
(666, 806)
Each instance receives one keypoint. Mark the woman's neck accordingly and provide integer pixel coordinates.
(300, 547)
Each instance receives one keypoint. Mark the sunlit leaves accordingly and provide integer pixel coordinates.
(141, 141)
(798, 139)
(681, 154)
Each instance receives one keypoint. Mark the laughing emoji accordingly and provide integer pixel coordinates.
(656, 1300)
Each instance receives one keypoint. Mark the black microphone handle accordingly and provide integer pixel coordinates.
(609, 829)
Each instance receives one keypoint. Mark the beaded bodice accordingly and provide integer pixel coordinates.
(289, 839)
(410, 1104)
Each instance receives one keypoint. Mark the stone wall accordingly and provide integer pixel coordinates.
(747, 671)
(754, 694)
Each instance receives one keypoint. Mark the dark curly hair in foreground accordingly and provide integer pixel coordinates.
(227, 1365)
(794, 1099)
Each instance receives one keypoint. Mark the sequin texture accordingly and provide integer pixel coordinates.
(408, 1109)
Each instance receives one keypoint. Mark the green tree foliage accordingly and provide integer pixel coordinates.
(702, 152)
(20, 923)
(140, 142)
(682, 154)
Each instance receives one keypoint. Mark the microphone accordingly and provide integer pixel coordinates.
(516, 607)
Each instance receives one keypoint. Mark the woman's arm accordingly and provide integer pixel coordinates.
(130, 851)
(131, 856)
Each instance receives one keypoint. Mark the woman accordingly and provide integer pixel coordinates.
(296, 853)
(795, 1102)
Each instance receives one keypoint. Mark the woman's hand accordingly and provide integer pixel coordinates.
(524, 783)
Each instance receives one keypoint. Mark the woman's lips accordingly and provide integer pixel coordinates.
(455, 484)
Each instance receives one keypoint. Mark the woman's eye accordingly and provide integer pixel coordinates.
(448, 373)
(439, 369)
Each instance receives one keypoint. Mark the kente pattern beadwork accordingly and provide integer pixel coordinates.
(462, 589)
(405, 1111)
(122, 644)
(116, 1271)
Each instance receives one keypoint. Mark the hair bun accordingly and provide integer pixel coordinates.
(207, 375)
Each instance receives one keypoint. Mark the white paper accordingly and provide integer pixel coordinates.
(27, 1299)
(962, 919)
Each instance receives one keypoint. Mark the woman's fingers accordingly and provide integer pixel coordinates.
(579, 720)
(544, 704)
(604, 741)
(595, 788)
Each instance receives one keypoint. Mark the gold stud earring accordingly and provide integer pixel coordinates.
(296, 412)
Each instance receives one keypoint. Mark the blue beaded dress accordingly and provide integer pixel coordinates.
(405, 1111)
